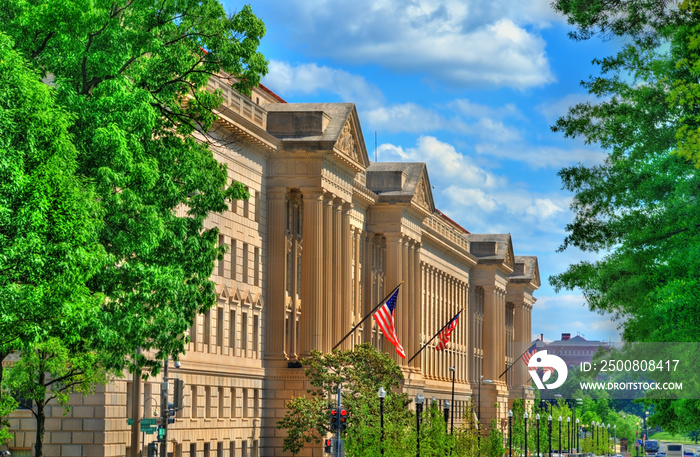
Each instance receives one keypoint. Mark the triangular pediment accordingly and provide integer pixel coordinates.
(224, 294)
(536, 274)
(509, 259)
(350, 145)
(423, 196)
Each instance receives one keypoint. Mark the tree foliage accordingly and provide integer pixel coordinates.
(132, 73)
(49, 249)
(639, 207)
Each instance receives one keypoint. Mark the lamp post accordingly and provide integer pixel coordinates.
(419, 410)
(549, 426)
(525, 420)
(596, 432)
(538, 434)
(452, 402)
(510, 435)
(636, 437)
(446, 409)
(478, 425)
(646, 431)
(607, 441)
(559, 435)
(578, 432)
(568, 434)
(615, 439)
(382, 394)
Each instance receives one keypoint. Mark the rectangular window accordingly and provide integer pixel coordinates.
(256, 266)
(244, 334)
(221, 402)
(245, 403)
(255, 448)
(232, 329)
(246, 207)
(258, 206)
(256, 402)
(219, 449)
(207, 402)
(207, 448)
(256, 326)
(234, 251)
(195, 401)
(193, 450)
(244, 449)
(220, 327)
(244, 267)
(233, 402)
(193, 331)
(221, 262)
(207, 327)
(232, 449)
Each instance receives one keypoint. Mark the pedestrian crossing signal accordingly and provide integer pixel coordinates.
(343, 419)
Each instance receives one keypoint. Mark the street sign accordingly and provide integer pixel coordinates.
(149, 421)
(130, 421)
(148, 429)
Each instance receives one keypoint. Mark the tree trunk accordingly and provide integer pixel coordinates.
(40, 421)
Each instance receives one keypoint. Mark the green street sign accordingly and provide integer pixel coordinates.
(148, 429)
(130, 421)
(149, 421)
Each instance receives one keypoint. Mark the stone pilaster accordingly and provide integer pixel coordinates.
(276, 280)
(312, 272)
(338, 304)
(346, 283)
(394, 275)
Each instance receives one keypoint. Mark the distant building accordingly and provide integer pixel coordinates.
(573, 350)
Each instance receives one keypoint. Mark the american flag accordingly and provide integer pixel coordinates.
(527, 355)
(446, 332)
(385, 319)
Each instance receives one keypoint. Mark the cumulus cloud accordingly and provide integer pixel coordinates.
(287, 79)
(455, 42)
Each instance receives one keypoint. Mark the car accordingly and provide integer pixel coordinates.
(661, 454)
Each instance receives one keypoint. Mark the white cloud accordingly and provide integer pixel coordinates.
(541, 156)
(554, 109)
(472, 43)
(286, 79)
(406, 117)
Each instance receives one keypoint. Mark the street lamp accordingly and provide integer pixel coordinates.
(568, 434)
(578, 432)
(559, 435)
(446, 409)
(382, 394)
(478, 425)
(525, 419)
(452, 401)
(549, 426)
(419, 410)
(607, 440)
(510, 435)
(538, 434)
(615, 439)
(596, 426)
(646, 431)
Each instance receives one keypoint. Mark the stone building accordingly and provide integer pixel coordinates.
(324, 237)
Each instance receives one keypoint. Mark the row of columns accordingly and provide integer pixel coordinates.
(445, 295)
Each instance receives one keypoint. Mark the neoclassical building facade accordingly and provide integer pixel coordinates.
(324, 237)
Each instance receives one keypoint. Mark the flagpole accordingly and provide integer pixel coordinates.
(431, 339)
(368, 315)
(516, 361)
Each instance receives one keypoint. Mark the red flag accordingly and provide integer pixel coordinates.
(385, 319)
(446, 332)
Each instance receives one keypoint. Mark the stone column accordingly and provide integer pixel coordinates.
(357, 302)
(417, 308)
(394, 275)
(328, 270)
(367, 287)
(312, 272)
(276, 280)
(405, 303)
(345, 302)
(493, 333)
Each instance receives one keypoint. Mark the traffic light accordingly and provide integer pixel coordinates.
(179, 394)
(343, 419)
(153, 449)
(161, 432)
(171, 413)
(329, 442)
(334, 420)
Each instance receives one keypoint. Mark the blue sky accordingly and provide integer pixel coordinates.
(470, 87)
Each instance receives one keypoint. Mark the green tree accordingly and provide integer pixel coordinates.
(493, 446)
(52, 370)
(360, 373)
(133, 74)
(638, 209)
(49, 218)
(467, 440)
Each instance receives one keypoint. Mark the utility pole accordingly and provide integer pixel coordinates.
(164, 411)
